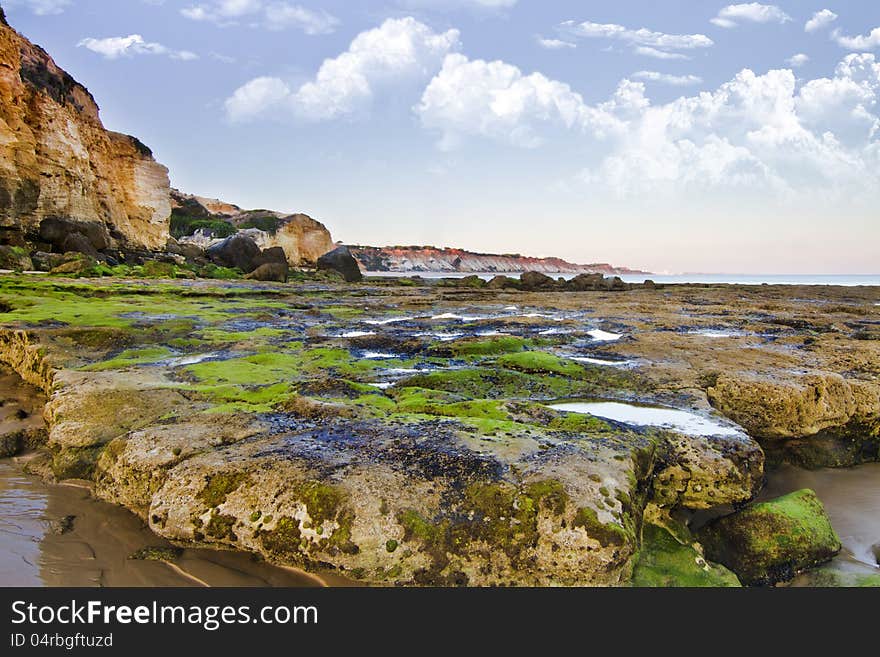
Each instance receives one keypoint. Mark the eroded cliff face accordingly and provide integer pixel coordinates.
(58, 161)
(433, 259)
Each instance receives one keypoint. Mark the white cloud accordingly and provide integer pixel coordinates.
(664, 78)
(640, 37)
(819, 20)
(756, 132)
(754, 12)
(283, 15)
(760, 135)
(40, 7)
(859, 42)
(133, 44)
(647, 51)
(458, 4)
(399, 49)
(845, 105)
(798, 60)
(270, 15)
(555, 44)
(256, 99)
(496, 100)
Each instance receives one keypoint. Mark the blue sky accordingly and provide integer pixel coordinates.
(674, 136)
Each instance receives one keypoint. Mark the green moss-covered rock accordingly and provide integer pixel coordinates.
(770, 542)
(666, 562)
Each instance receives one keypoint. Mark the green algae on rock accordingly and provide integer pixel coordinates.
(664, 561)
(769, 542)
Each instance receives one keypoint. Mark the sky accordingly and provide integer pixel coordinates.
(675, 136)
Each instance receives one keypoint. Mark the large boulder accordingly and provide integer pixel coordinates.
(270, 271)
(74, 263)
(77, 243)
(770, 542)
(57, 232)
(340, 260)
(502, 282)
(586, 282)
(236, 251)
(535, 280)
(43, 261)
(14, 257)
(274, 254)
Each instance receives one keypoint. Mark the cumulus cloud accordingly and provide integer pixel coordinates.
(459, 4)
(819, 20)
(647, 51)
(133, 44)
(643, 41)
(798, 60)
(399, 49)
(869, 42)
(640, 37)
(256, 99)
(754, 133)
(496, 100)
(754, 12)
(271, 15)
(665, 78)
(554, 44)
(40, 7)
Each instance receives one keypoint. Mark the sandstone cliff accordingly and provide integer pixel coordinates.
(432, 259)
(58, 162)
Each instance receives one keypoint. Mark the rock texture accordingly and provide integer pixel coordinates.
(58, 161)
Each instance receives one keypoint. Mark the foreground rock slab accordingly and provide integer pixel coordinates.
(404, 432)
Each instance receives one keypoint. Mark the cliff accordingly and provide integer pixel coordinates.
(57, 161)
(199, 220)
(432, 259)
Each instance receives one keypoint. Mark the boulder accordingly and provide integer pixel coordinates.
(236, 251)
(77, 243)
(472, 281)
(770, 542)
(270, 271)
(340, 260)
(501, 282)
(15, 257)
(271, 255)
(56, 231)
(74, 263)
(43, 261)
(586, 282)
(615, 283)
(534, 280)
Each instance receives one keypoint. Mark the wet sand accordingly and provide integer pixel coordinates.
(59, 535)
(37, 550)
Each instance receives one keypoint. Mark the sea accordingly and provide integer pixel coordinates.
(846, 280)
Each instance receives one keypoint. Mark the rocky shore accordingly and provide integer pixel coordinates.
(409, 433)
